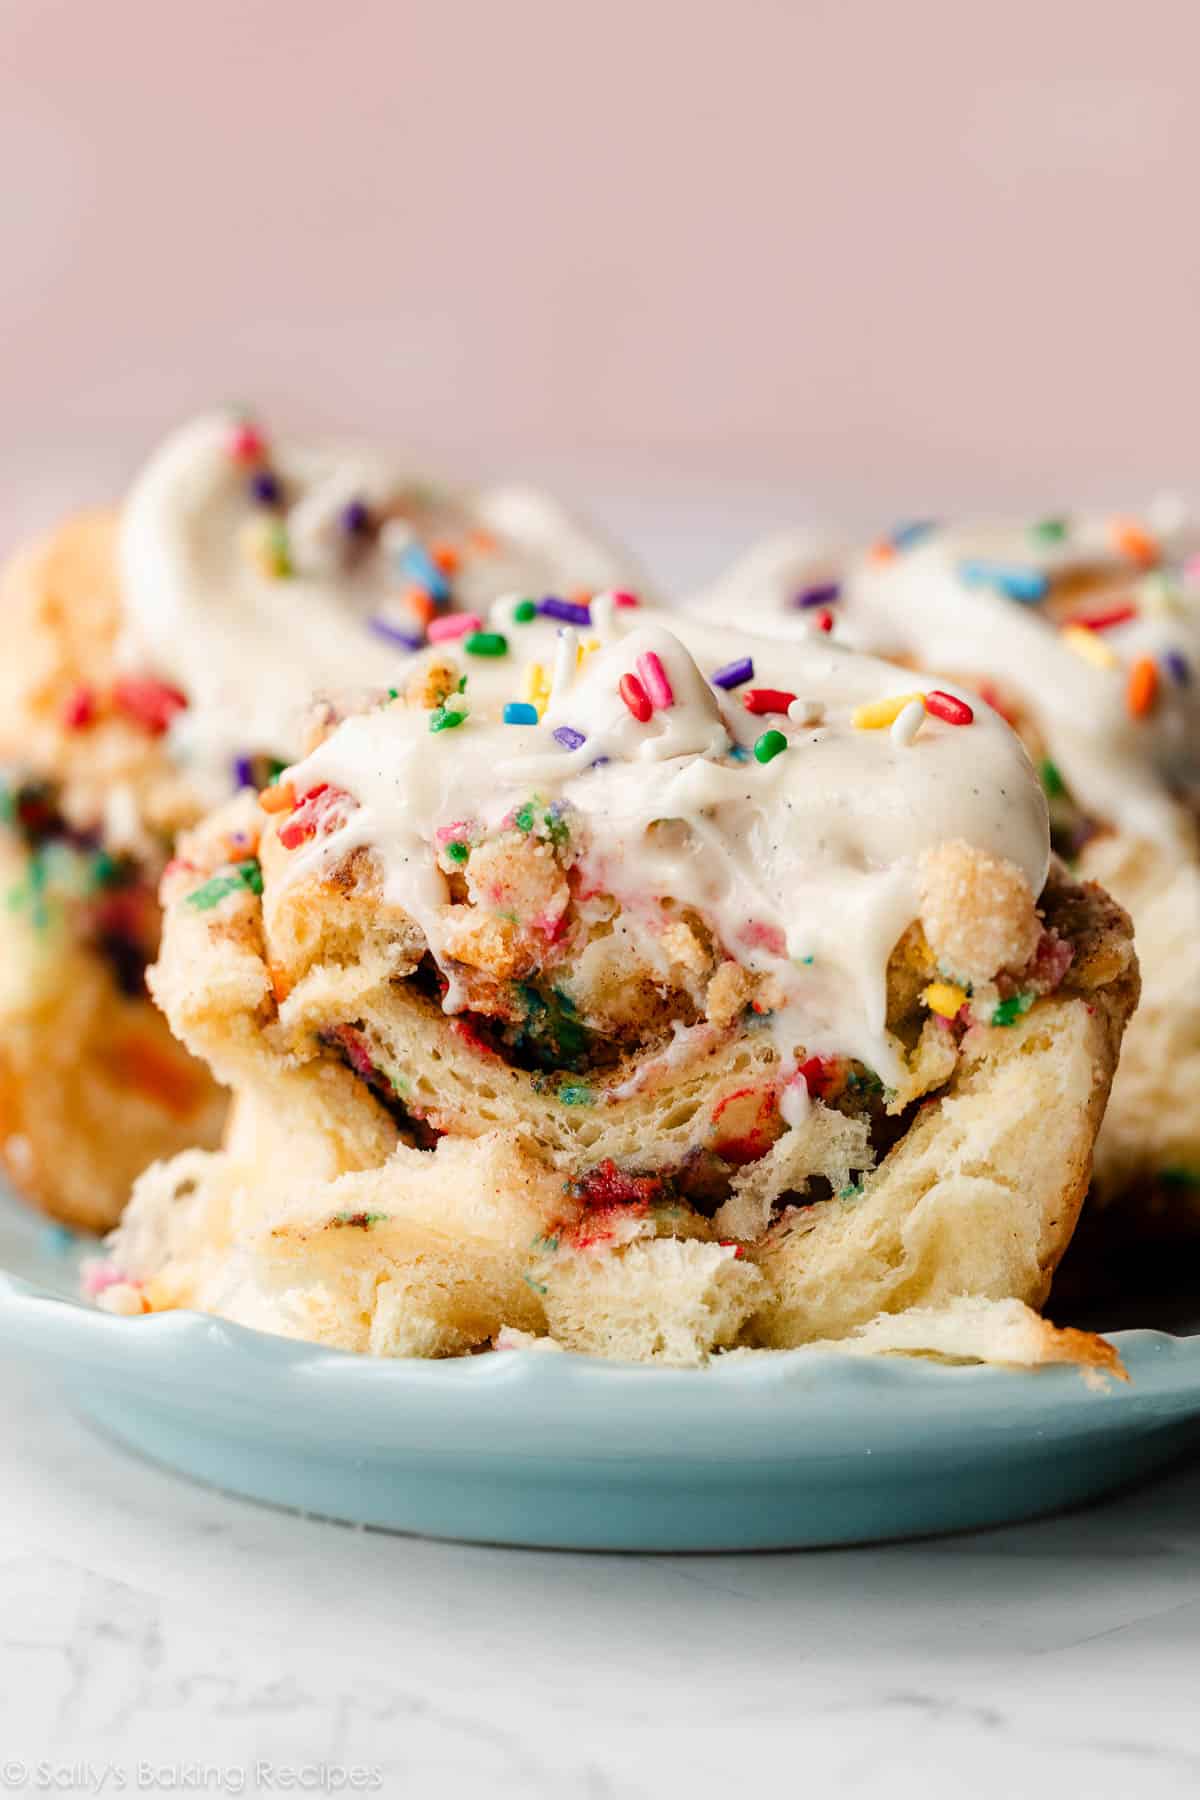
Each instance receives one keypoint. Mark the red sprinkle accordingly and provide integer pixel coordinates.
(1106, 619)
(247, 444)
(767, 700)
(945, 706)
(80, 709)
(635, 697)
(319, 811)
(824, 621)
(151, 703)
(821, 1075)
(626, 600)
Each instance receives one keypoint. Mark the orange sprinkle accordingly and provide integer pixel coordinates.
(482, 542)
(420, 603)
(1134, 541)
(884, 551)
(582, 596)
(1142, 689)
(280, 798)
(445, 556)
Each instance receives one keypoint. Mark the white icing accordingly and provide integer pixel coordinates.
(249, 649)
(917, 605)
(805, 866)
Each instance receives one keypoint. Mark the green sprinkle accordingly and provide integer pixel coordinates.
(807, 961)
(244, 877)
(539, 1287)
(275, 770)
(574, 1095)
(486, 643)
(851, 1192)
(524, 612)
(1180, 1177)
(393, 693)
(363, 1220)
(1049, 531)
(1051, 780)
(524, 819)
(457, 852)
(106, 871)
(546, 1244)
(768, 746)
(441, 719)
(1010, 1010)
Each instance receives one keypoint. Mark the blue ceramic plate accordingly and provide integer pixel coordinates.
(797, 1448)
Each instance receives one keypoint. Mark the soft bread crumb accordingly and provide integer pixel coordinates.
(977, 912)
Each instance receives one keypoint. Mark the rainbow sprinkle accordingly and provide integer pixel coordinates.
(634, 695)
(734, 673)
(1141, 690)
(395, 634)
(569, 738)
(568, 612)
(1018, 580)
(877, 714)
(525, 612)
(486, 643)
(1089, 646)
(520, 712)
(948, 707)
(824, 593)
(655, 681)
(453, 625)
(769, 746)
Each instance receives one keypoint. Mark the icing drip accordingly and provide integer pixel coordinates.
(248, 586)
(994, 603)
(804, 865)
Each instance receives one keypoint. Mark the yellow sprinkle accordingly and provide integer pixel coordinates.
(587, 648)
(536, 686)
(1090, 645)
(878, 713)
(944, 998)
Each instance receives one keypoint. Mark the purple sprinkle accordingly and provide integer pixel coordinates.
(265, 488)
(734, 673)
(568, 737)
(824, 595)
(355, 518)
(395, 634)
(1176, 665)
(243, 772)
(571, 612)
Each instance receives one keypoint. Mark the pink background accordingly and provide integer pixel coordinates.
(740, 258)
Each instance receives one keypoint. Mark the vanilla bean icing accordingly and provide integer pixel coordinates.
(248, 648)
(805, 866)
(937, 596)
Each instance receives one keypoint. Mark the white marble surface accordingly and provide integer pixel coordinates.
(147, 1622)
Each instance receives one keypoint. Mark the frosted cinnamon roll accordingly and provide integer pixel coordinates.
(1084, 632)
(639, 986)
(160, 657)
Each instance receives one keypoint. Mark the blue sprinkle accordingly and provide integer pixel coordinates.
(265, 488)
(520, 712)
(734, 673)
(738, 754)
(416, 561)
(823, 595)
(396, 634)
(571, 612)
(243, 772)
(911, 532)
(568, 737)
(1176, 665)
(57, 1240)
(1017, 580)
